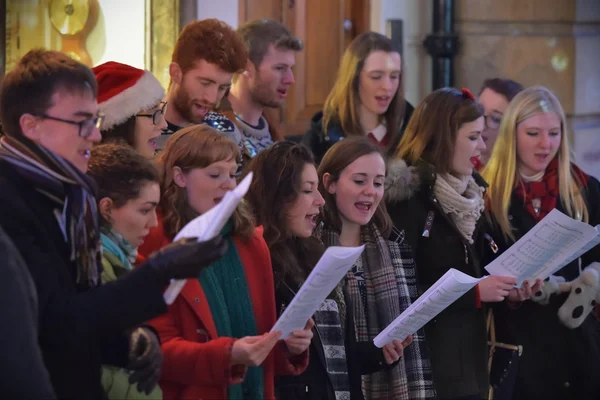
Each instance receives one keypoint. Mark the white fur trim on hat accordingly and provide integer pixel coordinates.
(146, 93)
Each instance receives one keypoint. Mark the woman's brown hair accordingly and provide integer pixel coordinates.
(431, 132)
(337, 158)
(123, 133)
(276, 184)
(120, 173)
(341, 106)
(197, 146)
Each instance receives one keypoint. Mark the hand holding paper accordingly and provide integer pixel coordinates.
(208, 225)
(328, 272)
(298, 341)
(451, 286)
(550, 245)
(496, 288)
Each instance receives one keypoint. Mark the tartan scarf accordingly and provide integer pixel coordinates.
(329, 325)
(73, 194)
(388, 294)
(545, 192)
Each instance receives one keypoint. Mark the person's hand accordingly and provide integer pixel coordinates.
(252, 350)
(393, 351)
(525, 291)
(299, 341)
(495, 288)
(186, 258)
(145, 359)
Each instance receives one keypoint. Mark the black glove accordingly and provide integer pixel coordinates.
(145, 359)
(186, 258)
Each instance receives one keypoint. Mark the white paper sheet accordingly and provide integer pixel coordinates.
(207, 226)
(328, 272)
(449, 288)
(553, 243)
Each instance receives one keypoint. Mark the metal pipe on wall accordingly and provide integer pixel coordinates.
(442, 44)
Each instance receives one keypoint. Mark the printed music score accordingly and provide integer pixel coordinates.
(552, 244)
(328, 272)
(449, 288)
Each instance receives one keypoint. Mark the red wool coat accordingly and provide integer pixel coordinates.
(197, 363)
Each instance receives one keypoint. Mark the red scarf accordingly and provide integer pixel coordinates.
(546, 192)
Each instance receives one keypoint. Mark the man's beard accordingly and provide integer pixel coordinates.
(263, 95)
(184, 105)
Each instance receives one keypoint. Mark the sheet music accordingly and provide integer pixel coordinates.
(207, 226)
(449, 288)
(550, 245)
(328, 272)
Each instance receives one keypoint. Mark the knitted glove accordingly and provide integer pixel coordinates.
(585, 293)
(145, 359)
(185, 258)
(551, 286)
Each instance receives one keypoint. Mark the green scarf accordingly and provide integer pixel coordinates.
(226, 289)
(114, 243)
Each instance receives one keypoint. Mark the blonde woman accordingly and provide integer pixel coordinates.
(529, 174)
(367, 98)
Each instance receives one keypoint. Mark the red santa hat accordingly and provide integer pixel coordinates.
(124, 91)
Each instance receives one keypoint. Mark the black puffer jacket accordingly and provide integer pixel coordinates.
(457, 337)
(319, 141)
(558, 363)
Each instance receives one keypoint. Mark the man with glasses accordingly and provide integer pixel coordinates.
(132, 102)
(495, 94)
(51, 120)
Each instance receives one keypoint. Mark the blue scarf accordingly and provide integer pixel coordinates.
(115, 244)
(226, 289)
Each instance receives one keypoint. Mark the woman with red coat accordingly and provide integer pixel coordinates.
(215, 336)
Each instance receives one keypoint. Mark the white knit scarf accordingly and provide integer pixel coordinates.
(462, 199)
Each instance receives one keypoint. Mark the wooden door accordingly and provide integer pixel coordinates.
(326, 27)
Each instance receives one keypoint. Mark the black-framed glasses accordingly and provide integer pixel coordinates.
(157, 115)
(86, 127)
(492, 121)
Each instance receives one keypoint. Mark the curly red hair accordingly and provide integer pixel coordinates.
(213, 41)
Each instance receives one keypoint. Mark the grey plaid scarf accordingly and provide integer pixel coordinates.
(328, 323)
(391, 287)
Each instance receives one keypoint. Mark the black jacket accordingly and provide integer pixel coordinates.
(22, 369)
(457, 337)
(557, 362)
(77, 331)
(319, 141)
(362, 357)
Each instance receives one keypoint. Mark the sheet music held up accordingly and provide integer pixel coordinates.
(549, 246)
(328, 272)
(207, 226)
(449, 288)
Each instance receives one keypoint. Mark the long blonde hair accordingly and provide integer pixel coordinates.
(501, 171)
(342, 103)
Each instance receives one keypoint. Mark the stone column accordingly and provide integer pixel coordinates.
(552, 43)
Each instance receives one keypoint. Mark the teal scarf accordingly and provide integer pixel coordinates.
(226, 289)
(115, 244)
